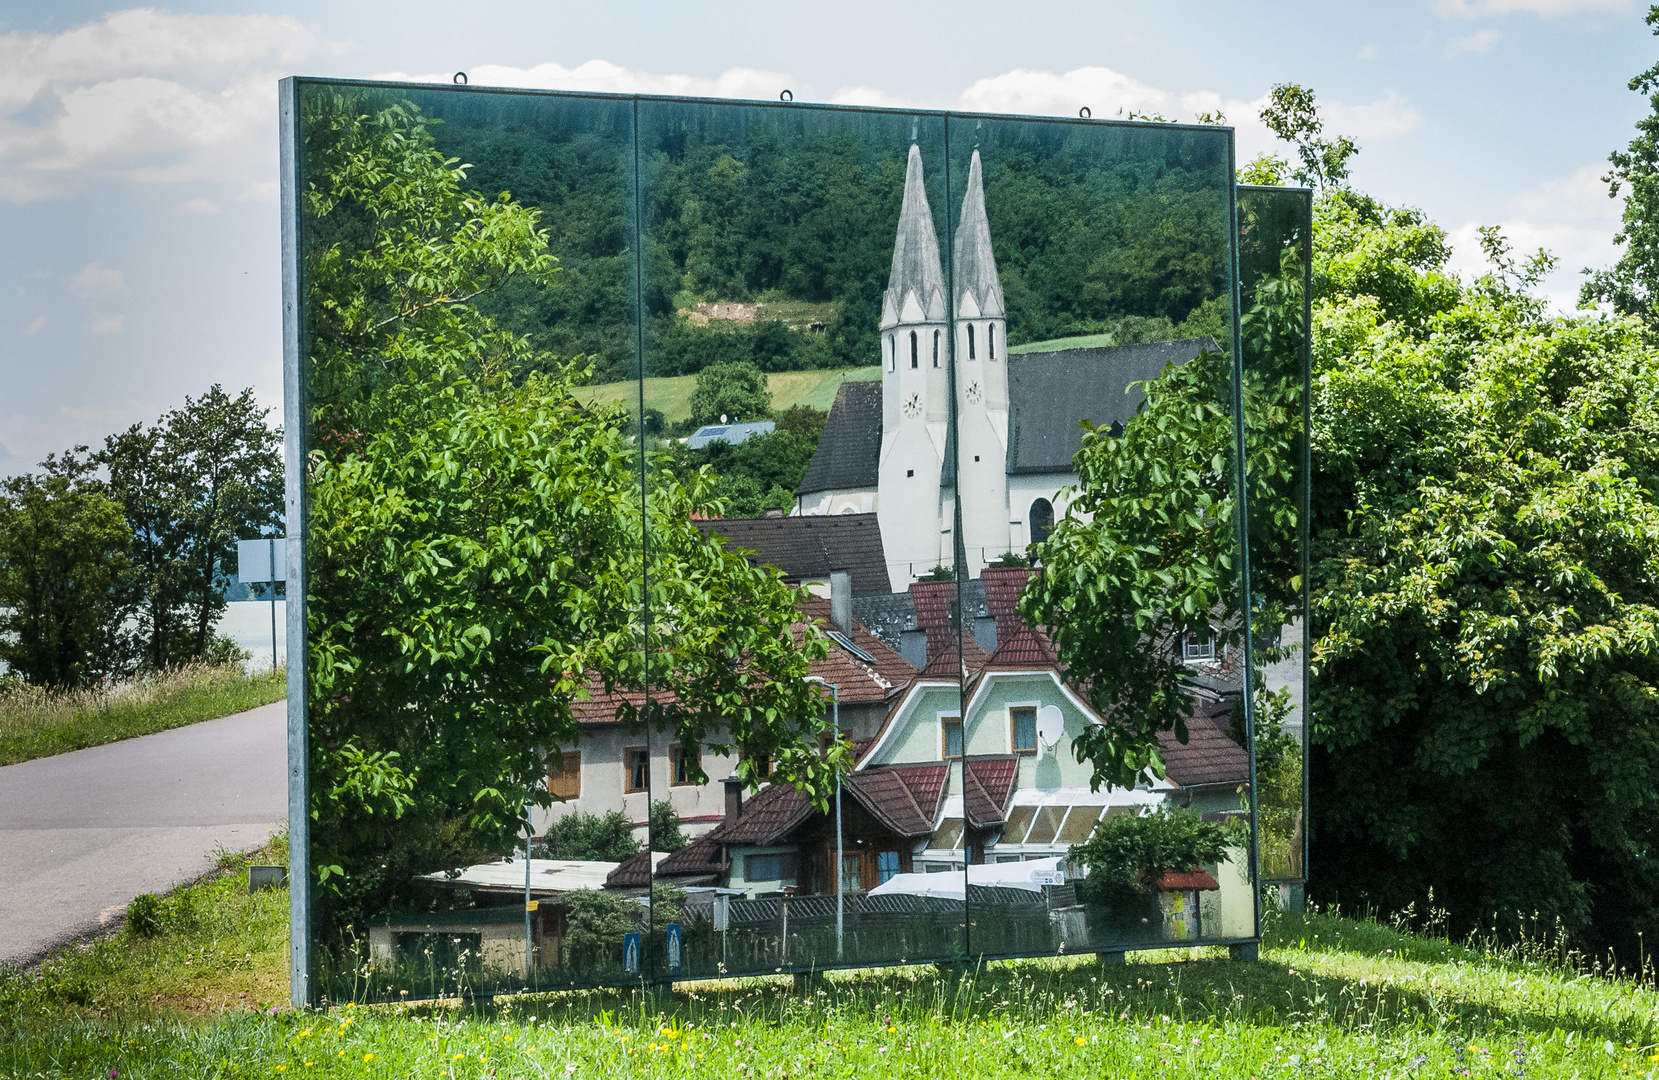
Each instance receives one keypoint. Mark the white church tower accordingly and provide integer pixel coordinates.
(914, 393)
(981, 384)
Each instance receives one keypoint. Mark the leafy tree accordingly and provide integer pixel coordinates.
(665, 827)
(203, 476)
(606, 838)
(1293, 116)
(736, 391)
(1631, 285)
(66, 576)
(477, 536)
(1128, 853)
(595, 922)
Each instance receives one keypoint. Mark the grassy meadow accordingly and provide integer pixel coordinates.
(1331, 997)
(36, 722)
(673, 395)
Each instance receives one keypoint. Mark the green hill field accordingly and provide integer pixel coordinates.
(673, 395)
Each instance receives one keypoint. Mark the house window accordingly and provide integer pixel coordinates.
(1040, 520)
(887, 865)
(991, 339)
(936, 348)
(970, 341)
(1022, 730)
(952, 734)
(852, 871)
(636, 765)
(564, 776)
(913, 363)
(1198, 646)
(763, 764)
(776, 867)
(681, 765)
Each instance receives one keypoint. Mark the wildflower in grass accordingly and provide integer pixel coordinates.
(1080, 1040)
(368, 1057)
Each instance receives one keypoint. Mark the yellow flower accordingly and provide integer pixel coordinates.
(1080, 1040)
(368, 1057)
(309, 1064)
(305, 1033)
(282, 1068)
(457, 1057)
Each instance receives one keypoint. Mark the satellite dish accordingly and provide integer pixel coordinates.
(1051, 724)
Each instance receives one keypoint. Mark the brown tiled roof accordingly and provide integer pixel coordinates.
(703, 856)
(1023, 648)
(767, 817)
(859, 681)
(1002, 591)
(986, 784)
(634, 872)
(1209, 756)
(807, 548)
(1177, 881)
(905, 798)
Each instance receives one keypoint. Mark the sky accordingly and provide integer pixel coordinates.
(138, 146)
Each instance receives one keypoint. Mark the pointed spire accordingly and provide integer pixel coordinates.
(977, 287)
(916, 286)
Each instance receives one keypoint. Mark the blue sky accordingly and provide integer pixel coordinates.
(138, 157)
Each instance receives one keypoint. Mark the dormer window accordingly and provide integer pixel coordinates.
(951, 737)
(1198, 646)
(913, 363)
(970, 341)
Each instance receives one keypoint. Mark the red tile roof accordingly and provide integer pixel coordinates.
(634, 872)
(905, 798)
(1178, 881)
(767, 817)
(704, 856)
(1210, 756)
(986, 783)
(858, 680)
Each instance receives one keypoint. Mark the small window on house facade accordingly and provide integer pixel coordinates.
(636, 767)
(1022, 730)
(763, 764)
(952, 737)
(892, 354)
(913, 354)
(887, 865)
(780, 866)
(564, 776)
(1198, 646)
(991, 339)
(936, 348)
(852, 871)
(680, 765)
(1039, 520)
(970, 341)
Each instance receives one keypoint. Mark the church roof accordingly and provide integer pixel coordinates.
(1048, 393)
(849, 450)
(916, 286)
(978, 292)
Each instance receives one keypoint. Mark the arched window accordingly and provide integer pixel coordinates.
(936, 348)
(970, 341)
(1040, 520)
(913, 364)
(892, 354)
(991, 339)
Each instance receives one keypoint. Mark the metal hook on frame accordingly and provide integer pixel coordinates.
(1085, 112)
(787, 95)
(460, 78)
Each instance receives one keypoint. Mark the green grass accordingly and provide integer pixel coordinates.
(1086, 341)
(1331, 997)
(36, 722)
(673, 395)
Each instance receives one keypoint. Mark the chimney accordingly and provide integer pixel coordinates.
(841, 601)
(913, 647)
(985, 633)
(734, 799)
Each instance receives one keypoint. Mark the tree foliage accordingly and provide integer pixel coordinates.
(480, 555)
(67, 582)
(734, 393)
(601, 837)
(1631, 285)
(1127, 853)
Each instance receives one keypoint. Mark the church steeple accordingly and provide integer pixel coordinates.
(916, 286)
(978, 292)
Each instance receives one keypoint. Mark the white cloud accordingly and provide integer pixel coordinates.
(1469, 9)
(106, 324)
(202, 206)
(601, 76)
(1570, 216)
(98, 280)
(1367, 53)
(38, 325)
(1475, 43)
(145, 94)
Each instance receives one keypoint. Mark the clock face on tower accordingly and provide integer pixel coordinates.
(913, 406)
(973, 392)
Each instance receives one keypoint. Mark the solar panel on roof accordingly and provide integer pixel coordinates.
(847, 643)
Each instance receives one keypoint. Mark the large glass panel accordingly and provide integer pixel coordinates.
(1275, 234)
(796, 367)
(465, 259)
(1095, 451)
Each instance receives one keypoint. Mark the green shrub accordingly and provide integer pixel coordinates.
(146, 915)
(1128, 853)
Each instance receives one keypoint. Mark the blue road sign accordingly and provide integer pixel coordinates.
(630, 953)
(674, 953)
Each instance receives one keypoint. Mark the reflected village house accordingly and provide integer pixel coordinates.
(874, 513)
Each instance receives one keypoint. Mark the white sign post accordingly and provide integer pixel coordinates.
(264, 561)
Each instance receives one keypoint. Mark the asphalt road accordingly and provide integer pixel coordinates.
(83, 833)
